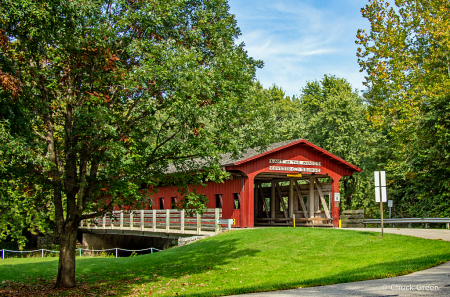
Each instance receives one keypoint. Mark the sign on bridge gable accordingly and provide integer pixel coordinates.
(297, 169)
(294, 162)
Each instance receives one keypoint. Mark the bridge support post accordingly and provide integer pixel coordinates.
(111, 220)
(131, 220)
(167, 220)
(216, 220)
(104, 221)
(154, 219)
(291, 200)
(142, 220)
(199, 223)
(182, 221)
(121, 219)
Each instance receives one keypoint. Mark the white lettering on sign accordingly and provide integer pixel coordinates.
(298, 169)
(294, 162)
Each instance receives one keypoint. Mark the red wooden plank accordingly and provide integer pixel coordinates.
(301, 150)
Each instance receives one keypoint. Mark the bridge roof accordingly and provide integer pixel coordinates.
(257, 152)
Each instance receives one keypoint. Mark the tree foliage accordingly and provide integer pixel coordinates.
(115, 91)
(277, 116)
(332, 115)
(287, 114)
(335, 117)
(24, 208)
(406, 57)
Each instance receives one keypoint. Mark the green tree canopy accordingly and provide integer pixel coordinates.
(115, 91)
(335, 118)
(290, 123)
(406, 57)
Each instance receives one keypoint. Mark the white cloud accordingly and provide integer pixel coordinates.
(300, 40)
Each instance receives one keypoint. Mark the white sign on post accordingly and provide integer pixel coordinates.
(380, 182)
(337, 197)
(390, 203)
(380, 193)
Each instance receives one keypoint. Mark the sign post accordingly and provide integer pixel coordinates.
(390, 206)
(380, 193)
(382, 224)
(337, 199)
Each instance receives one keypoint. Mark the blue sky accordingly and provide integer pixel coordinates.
(301, 40)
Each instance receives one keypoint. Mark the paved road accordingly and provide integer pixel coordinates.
(431, 282)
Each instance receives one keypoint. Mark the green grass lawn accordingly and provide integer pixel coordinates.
(238, 262)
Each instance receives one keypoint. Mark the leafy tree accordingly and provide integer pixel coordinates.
(406, 57)
(274, 117)
(336, 120)
(115, 92)
(260, 120)
(23, 207)
(332, 115)
(290, 123)
(19, 210)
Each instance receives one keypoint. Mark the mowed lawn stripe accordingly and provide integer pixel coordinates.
(242, 261)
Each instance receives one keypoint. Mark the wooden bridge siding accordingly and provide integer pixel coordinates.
(298, 152)
(227, 189)
(245, 187)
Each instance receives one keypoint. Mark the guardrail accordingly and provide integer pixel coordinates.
(410, 221)
(80, 250)
(167, 220)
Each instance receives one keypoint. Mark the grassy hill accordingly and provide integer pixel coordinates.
(237, 262)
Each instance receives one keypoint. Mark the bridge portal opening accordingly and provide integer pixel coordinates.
(281, 197)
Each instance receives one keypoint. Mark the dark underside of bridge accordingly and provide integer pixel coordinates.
(90, 239)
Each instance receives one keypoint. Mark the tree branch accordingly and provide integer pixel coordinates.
(101, 213)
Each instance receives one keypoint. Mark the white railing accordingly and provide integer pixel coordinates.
(80, 251)
(167, 220)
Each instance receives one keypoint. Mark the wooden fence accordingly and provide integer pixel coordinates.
(167, 220)
(352, 219)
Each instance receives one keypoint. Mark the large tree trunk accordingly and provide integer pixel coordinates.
(66, 266)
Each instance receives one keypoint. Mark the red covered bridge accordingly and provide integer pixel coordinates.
(291, 178)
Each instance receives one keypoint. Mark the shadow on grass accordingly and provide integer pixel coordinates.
(129, 285)
(127, 276)
(101, 276)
